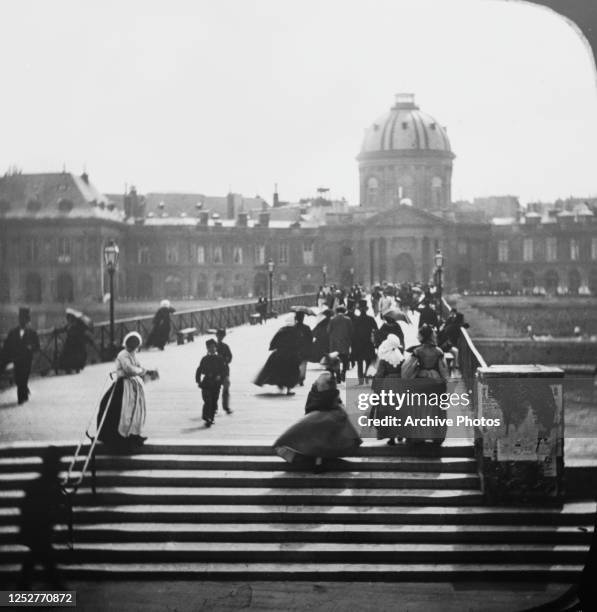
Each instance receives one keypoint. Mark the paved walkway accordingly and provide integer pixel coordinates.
(60, 406)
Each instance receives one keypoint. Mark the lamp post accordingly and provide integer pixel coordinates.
(439, 265)
(324, 271)
(111, 253)
(270, 269)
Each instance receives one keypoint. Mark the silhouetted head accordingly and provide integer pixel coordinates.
(51, 461)
(24, 316)
(426, 334)
(132, 341)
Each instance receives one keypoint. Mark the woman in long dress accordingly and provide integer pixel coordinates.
(321, 338)
(160, 332)
(125, 400)
(282, 366)
(389, 366)
(426, 362)
(325, 430)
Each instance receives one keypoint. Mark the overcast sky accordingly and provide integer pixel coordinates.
(214, 95)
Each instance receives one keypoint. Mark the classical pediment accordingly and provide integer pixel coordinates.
(404, 216)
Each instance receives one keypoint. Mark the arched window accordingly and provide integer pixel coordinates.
(551, 281)
(4, 288)
(33, 288)
(65, 288)
(144, 286)
(573, 281)
(463, 278)
(593, 281)
(436, 191)
(202, 288)
(372, 190)
(528, 280)
(173, 287)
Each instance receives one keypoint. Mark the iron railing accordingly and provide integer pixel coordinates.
(469, 357)
(203, 319)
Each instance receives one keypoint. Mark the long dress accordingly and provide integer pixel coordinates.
(384, 372)
(324, 431)
(321, 341)
(74, 352)
(430, 379)
(282, 366)
(160, 332)
(125, 403)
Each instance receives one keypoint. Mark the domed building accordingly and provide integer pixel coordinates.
(405, 157)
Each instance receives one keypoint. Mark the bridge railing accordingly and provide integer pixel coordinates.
(203, 319)
(469, 356)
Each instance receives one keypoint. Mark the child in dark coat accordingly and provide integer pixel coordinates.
(209, 377)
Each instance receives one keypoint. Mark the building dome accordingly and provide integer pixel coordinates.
(405, 154)
(405, 128)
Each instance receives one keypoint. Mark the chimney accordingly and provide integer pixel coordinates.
(203, 218)
(276, 198)
(264, 219)
(242, 220)
(230, 206)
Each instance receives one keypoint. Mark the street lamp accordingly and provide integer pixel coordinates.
(324, 270)
(111, 253)
(439, 264)
(270, 269)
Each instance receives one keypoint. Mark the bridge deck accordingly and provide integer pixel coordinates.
(60, 406)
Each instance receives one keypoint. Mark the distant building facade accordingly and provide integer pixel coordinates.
(53, 228)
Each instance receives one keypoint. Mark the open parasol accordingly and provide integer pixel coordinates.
(397, 315)
(304, 309)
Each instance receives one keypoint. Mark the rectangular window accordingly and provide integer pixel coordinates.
(64, 250)
(30, 250)
(527, 249)
(218, 259)
(502, 250)
(551, 249)
(283, 253)
(237, 255)
(594, 249)
(462, 247)
(574, 249)
(172, 253)
(200, 254)
(259, 254)
(143, 256)
(308, 253)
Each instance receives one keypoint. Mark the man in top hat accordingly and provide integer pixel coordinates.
(225, 353)
(19, 346)
(340, 333)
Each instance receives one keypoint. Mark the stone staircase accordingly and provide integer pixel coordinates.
(482, 324)
(239, 512)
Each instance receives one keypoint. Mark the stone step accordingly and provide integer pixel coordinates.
(264, 495)
(308, 532)
(450, 448)
(243, 479)
(354, 572)
(252, 462)
(308, 552)
(575, 514)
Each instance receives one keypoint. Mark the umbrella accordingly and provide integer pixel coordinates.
(81, 317)
(304, 309)
(397, 315)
